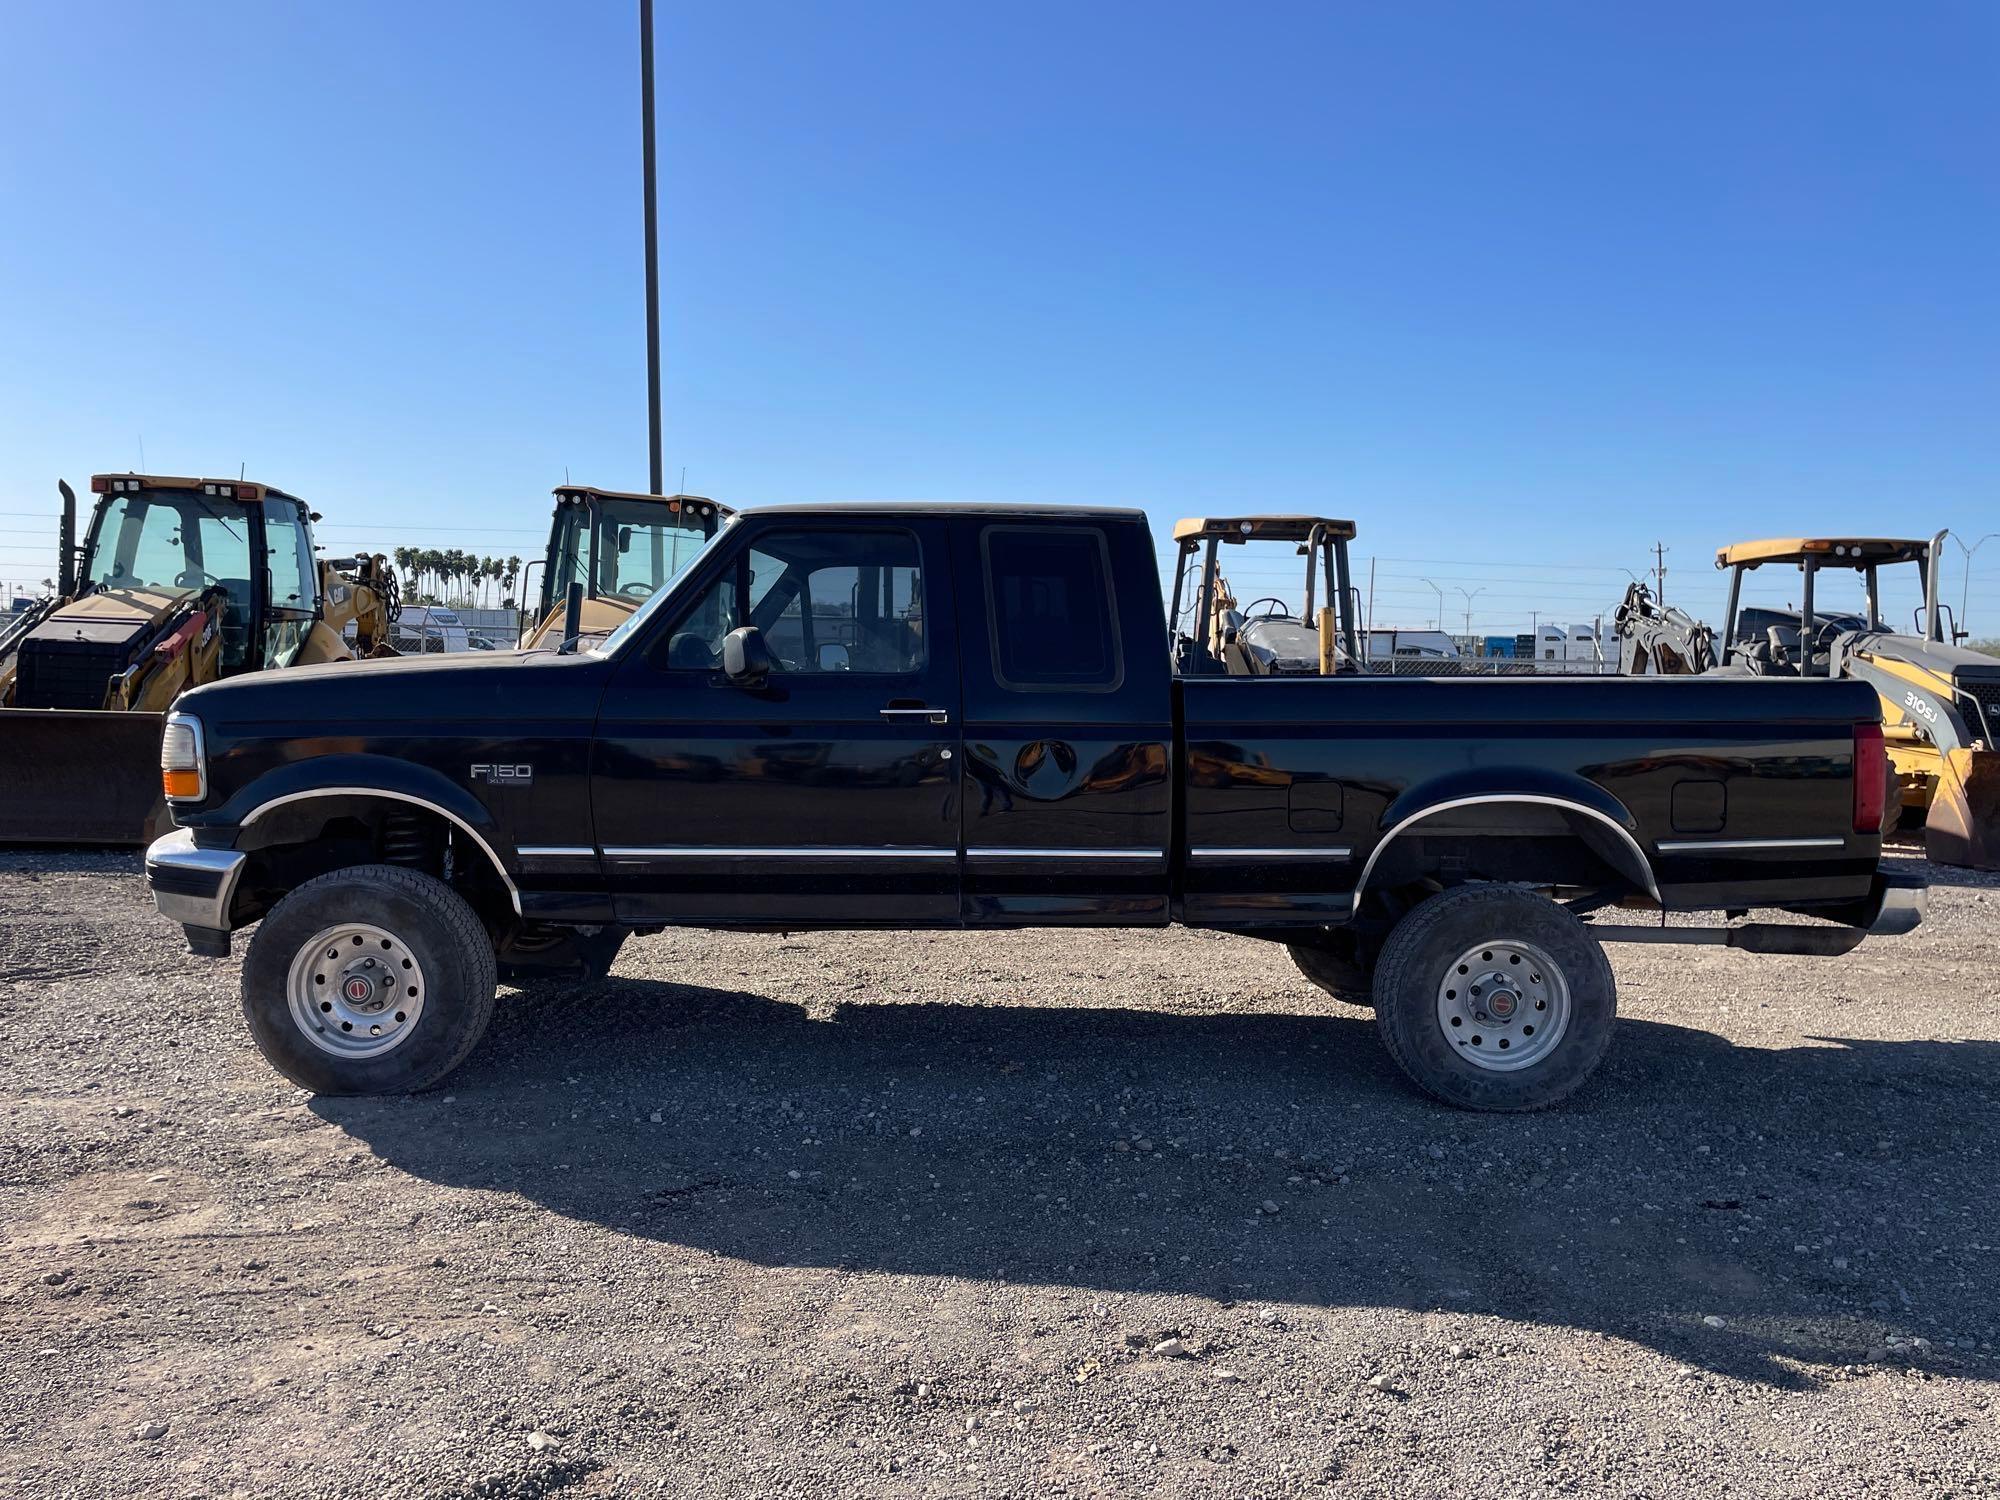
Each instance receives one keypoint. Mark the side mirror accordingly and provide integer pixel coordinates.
(624, 539)
(833, 657)
(746, 660)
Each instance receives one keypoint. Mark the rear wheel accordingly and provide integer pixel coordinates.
(1335, 965)
(560, 954)
(1492, 997)
(374, 979)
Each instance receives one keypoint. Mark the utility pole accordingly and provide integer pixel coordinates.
(1371, 600)
(1440, 617)
(1660, 571)
(655, 472)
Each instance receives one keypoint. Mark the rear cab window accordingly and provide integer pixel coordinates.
(1051, 610)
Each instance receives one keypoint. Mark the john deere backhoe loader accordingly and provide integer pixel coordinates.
(1940, 702)
(178, 582)
(608, 553)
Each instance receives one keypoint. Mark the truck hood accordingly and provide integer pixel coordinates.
(417, 692)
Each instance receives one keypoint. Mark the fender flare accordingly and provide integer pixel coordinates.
(1567, 794)
(378, 776)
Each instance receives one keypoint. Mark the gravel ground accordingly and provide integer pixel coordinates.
(1011, 1214)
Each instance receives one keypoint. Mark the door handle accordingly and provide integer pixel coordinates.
(918, 711)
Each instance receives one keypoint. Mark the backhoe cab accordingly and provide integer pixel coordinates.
(178, 582)
(1220, 637)
(608, 553)
(1940, 702)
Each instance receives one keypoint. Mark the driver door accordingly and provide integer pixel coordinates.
(828, 794)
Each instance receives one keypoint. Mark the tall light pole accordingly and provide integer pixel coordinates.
(1440, 623)
(1965, 583)
(657, 476)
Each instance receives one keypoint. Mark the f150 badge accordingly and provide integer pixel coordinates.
(496, 775)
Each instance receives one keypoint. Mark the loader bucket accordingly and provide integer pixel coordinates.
(1964, 824)
(80, 776)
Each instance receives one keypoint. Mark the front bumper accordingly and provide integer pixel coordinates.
(194, 887)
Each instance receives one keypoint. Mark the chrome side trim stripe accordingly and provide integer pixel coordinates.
(554, 851)
(773, 851)
(996, 852)
(1702, 846)
(1326, 852)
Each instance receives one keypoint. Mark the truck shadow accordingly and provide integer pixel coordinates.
(1820, 1199)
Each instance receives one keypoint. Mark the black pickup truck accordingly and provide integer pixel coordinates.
(967, 716)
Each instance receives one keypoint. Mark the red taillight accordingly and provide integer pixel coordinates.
(1871, 779)
(99, 485)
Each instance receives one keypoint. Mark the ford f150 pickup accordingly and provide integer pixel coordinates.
(968, 716)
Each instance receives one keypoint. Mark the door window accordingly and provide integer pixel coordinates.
(1053, 619)
(826, 601)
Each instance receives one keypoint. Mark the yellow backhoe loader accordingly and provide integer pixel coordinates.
(1940, 702)
(608, 553)
(1264, 638)
(178, 582)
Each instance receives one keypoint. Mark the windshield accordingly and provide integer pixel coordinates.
(620, 549)
(615, 641)
(169, 540)
(1773, 595)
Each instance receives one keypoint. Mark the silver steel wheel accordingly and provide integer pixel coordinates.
(1503, 1005)
(355, 990)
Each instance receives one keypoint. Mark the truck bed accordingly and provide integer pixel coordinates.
(1730, 793)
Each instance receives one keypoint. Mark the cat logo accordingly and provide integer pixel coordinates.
(523, 775)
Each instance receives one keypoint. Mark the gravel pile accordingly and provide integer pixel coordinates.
(1010, 1214)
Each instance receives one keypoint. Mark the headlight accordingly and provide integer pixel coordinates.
(183, 759)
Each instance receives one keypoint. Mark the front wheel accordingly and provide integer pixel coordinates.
(1492, 997)
(375, 979)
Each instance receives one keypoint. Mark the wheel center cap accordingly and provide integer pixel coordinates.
(358, 990)
(1502, 1004)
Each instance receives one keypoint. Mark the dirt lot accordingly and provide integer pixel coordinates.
(920, 1215)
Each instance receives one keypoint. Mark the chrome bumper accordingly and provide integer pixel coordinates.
(193, 886)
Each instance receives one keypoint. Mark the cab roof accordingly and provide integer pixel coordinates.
(1829, 551)
(592, 492)
(1260, 528)
(220, 489)
(947, 508)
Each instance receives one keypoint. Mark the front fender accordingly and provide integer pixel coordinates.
(357, 775)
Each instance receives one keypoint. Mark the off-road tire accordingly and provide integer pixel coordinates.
(440, 930)
(1415, 967)
(1336, 970)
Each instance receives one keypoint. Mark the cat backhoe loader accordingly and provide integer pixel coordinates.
(608, 553)
(178, 582)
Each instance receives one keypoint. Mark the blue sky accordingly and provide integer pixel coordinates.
(1521, 288)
